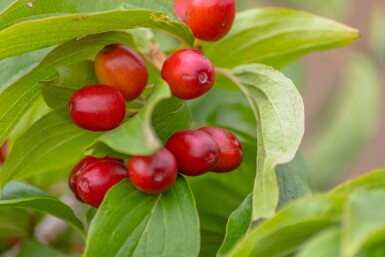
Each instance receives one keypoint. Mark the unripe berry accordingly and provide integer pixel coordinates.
(153, 174)
(188, 73)
(231, 149)
(210, 20)
(121, 67)
(97, 179)
(97, 107)
(195, 152)
(78, 169)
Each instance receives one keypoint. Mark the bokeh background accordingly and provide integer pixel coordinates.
(343, 91)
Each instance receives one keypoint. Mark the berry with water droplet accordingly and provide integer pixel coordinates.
(195, 152)
(153, 174)
(188, 73)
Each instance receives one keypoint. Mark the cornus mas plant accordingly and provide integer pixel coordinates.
(128, 125)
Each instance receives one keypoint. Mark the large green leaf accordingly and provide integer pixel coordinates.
(19, 97)
(136, 136)
(13, 68)
(20, 195)
(324, 244)
(371, 181)
(347, 124)
(52, 144)
(276, 37)
(363, 221)
(131, 223)
(22, 10)
(58, 29)
(293, 225)
(279, 111)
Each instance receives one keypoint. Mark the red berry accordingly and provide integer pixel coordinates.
(180, 8)
(231, 149)
(195, 152)
(78, 169)
(4, 151)
(153, 174)
(97, 107)
(121, 67)
(97, 179)
(210, 20)
(188, 73)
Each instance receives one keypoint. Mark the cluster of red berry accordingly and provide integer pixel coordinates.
(123, 76)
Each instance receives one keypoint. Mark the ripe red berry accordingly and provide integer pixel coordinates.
(78, 169)
(153, 174)
(231, 149)
(121, 67)
(97, 179)
(195, 152)
(97, 107)
(4, 151)
(188, 73)
(210, 20)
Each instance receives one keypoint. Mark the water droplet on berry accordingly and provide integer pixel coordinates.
(223, 24)
(211, 156)
(84, 185)
(203, 77)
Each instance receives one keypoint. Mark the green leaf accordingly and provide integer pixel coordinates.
(57, 92)
(15, 67)
(293, 184)
(20, 195)
(364, 221)
(33, 248)
(324, 244)
(24, 10)
(237, 226)
(293, 180)
(21, 95)
(169, 116)
(371, 181)
(276, 37)
(279, 111)
(347, 125)
(290, 227)
(136, 136)
(58, 29)
(131, 223)
(52, 144)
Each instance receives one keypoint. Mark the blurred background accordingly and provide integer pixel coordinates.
(343, 91)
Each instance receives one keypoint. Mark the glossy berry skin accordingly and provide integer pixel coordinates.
(153, 174)
(97, 107)
(78, 169)
(210, 20)
(121, 67)
(231, 149)
(97, 179)
(188, 73)
(4, 151)
(181, 8)
(195, 152)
